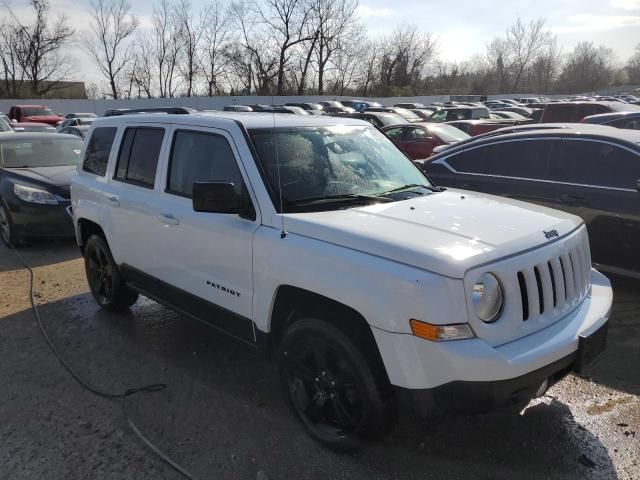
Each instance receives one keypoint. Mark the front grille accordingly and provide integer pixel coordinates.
(556, 284)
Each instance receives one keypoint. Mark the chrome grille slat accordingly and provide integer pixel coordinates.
(559, 283)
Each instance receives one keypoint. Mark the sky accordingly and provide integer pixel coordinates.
(463, 27)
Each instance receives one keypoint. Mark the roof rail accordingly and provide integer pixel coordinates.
(129, 111)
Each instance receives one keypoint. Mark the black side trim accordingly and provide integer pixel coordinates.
(195, 307)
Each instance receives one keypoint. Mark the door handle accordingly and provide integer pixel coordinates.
(168, 219)
(570, 199)
(112, 199)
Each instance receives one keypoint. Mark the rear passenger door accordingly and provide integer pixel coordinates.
(512, 168)
(130, 197)
(207, 254)
(597, 180)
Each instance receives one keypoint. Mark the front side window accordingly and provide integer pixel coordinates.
(596, 163)
(40, 152)
(138, 159)
(98, 150)
(329, 161)
(37, 112)
(523, 159)
(394, 134)
(417, 134)
(201, 157)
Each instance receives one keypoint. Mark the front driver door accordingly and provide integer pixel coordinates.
(206, 254)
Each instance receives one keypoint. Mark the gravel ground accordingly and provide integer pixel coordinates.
(223, 417)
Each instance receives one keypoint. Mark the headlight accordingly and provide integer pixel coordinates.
(34, 195)
(487, 298)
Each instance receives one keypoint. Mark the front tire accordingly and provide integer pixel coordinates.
(331, 386)
(7, 228)
(105, 281)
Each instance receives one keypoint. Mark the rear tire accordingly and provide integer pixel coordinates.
(331, 386)
(105, 281)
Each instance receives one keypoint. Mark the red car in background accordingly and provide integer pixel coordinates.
(34, 113)
(574, 112)
(418, 140)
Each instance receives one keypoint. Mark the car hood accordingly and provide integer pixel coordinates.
(447, 232)
(43, 119)
(59, 178)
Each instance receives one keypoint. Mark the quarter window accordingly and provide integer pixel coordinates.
(98, 150)
(138, 159)
(597, 163)
(201, 157)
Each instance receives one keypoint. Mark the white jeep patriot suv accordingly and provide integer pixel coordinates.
(317, 240)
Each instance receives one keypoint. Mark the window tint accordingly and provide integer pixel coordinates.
(524, 159)
(394, 133)
(586, 110)
(201, 157)
(139, 154)
(98, 149)
(416, 134)
(559, 113)
(631, 124)
(596, 163)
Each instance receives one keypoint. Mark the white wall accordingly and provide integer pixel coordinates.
(216, 103)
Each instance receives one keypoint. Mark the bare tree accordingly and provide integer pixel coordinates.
(106, 42)
(166, 48)
(285, 22)
(214, 58)
(12, 69)
(33, 51)
(189, 34)
(588, 68)
(633, 67)
(142, 70)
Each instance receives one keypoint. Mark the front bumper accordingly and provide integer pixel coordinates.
(42, 221)
(416, 364)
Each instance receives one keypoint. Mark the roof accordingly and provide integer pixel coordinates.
(25, 136)
(29, 106)
(249, 120)
(601, 132)
(31, 124)
(607, 117)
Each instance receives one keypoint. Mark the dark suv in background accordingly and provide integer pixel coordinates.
(592, 172)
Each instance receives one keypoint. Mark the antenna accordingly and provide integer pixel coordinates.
(283, 232)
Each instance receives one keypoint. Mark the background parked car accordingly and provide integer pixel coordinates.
(592, 172)
(35, 172)
(33, 127)
(576, 111)
(331, 103)
(418, 141)
(33, 113)
(379, 119)
(75, 121)
(312, 108)
(80, 115)
(478, 127)
(237, 108)
(630, 120)
(79, 131)
(450, 114)
(410, 106)
(408, 115)
(362, 106)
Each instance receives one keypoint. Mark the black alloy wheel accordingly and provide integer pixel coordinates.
(330, 385)
(105, 281)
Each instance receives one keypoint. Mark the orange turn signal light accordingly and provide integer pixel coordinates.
(440, 333)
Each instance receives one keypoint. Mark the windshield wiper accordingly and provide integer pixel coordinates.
(413, 185)
(341, 197)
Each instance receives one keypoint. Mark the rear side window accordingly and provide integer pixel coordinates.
(138, 159)
(201, 157)
(98, 150)
(599, 164)
(587, 110)
(523, 159)
(559, 113)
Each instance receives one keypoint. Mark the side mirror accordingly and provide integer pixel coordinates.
(221, 197)
(638, 185)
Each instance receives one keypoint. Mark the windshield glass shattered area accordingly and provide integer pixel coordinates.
(328, 161)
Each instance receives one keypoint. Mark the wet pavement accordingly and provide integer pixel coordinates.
(223, 416)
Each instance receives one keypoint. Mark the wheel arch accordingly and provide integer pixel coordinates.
(294, 303)
(86, 228)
